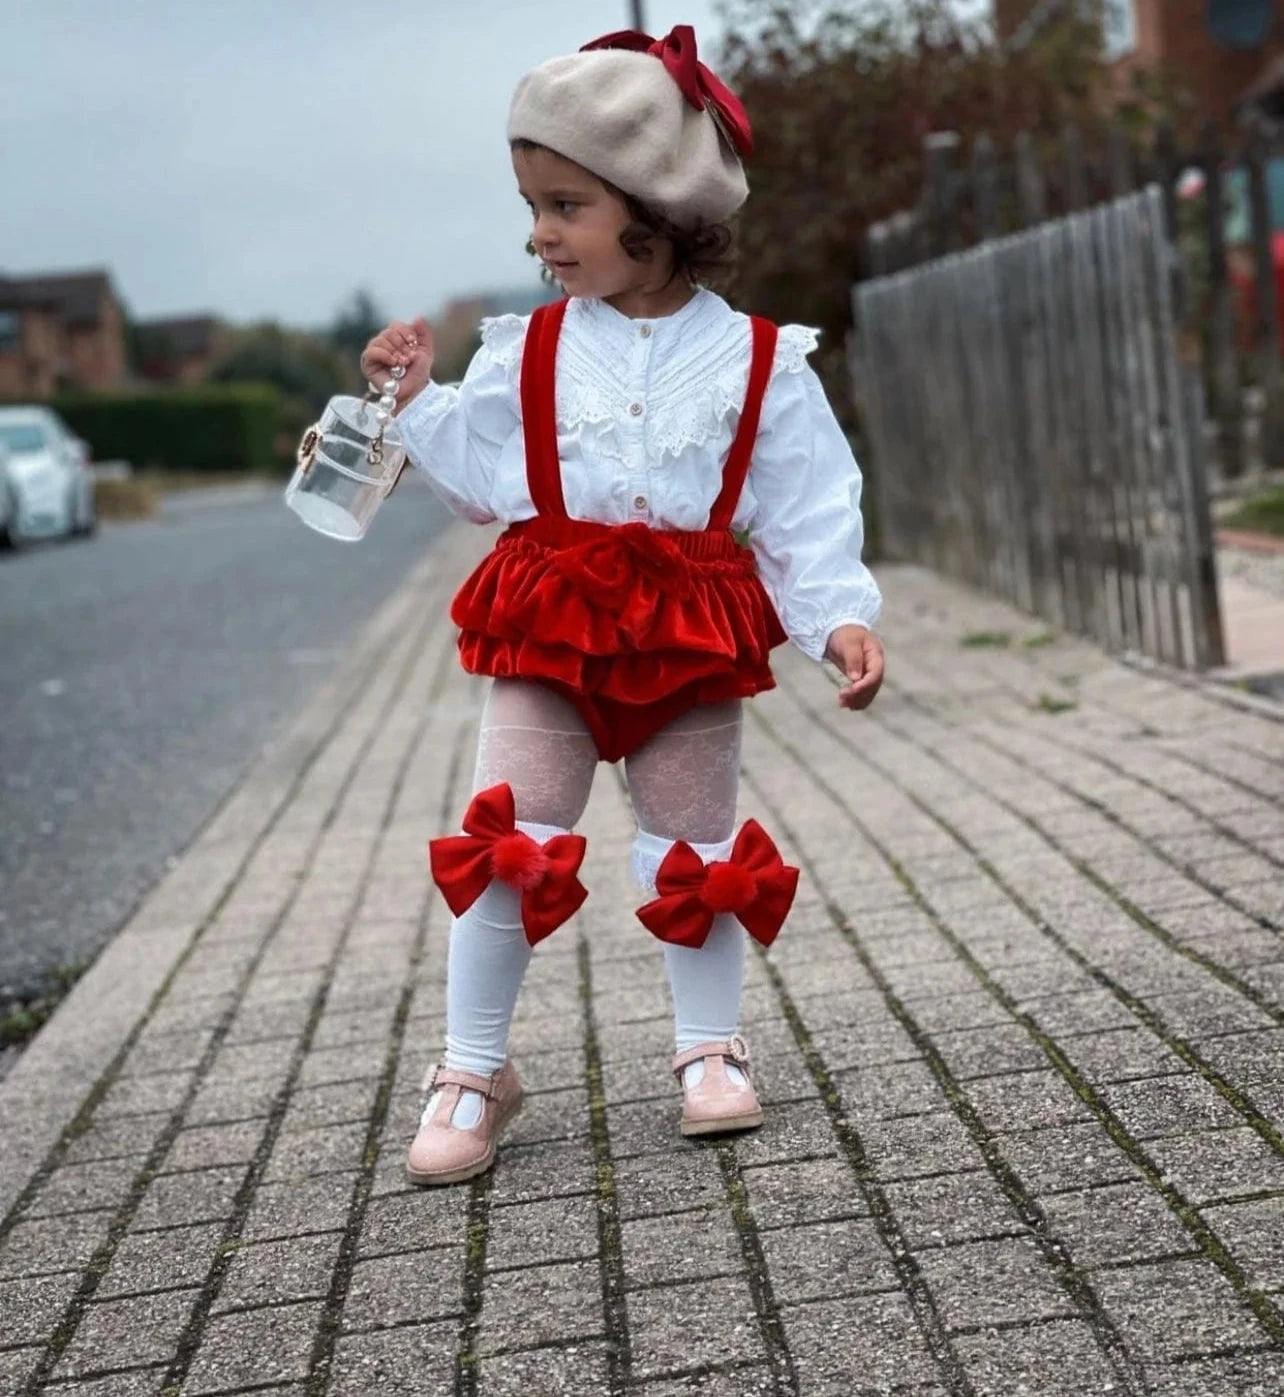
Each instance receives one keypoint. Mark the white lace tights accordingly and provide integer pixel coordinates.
(683, 784)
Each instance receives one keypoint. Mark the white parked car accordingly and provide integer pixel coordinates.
(46, 481)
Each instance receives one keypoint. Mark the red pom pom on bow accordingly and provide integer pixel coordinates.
(677, 51)
(755, 884)
(464, 865)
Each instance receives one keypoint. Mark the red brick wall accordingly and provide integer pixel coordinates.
(1173, 34)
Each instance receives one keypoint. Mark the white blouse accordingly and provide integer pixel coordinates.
(646, 412)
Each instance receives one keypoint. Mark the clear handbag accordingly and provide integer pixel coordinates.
(348, 462)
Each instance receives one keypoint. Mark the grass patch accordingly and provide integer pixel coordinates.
(1049, 703)
(22, 1023)
(1262, 514)
(174, 482)
(124, 499)
(1038, 639)
(986, 640)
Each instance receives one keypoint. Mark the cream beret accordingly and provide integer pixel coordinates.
(631, 118)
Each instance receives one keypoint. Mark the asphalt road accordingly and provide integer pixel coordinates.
(140, 673)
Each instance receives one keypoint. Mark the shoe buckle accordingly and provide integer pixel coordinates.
(738, 1050)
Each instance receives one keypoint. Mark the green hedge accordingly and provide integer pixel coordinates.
(215, 427)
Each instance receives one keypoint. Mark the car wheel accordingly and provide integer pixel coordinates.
(10, 537)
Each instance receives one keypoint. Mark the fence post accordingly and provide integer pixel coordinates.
(1076, 183)
(1031, 194)
(1119, 155)
(985, 188)
(1224, 375)
(939, 189)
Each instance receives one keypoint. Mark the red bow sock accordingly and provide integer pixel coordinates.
(755, 885)
(492, 846)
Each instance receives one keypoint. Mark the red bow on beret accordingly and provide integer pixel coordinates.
(677, 51)
(463, 865)
(755, 884)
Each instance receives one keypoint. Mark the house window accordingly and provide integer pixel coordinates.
(1118, 27)
(10, 332)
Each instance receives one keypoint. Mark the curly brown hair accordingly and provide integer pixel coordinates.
(705, 254)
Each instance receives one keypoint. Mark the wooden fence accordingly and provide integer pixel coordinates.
(970, 197)
(1033, 432)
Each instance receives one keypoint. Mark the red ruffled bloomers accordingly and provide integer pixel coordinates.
(632, 624)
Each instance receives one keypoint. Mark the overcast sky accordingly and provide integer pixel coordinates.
(256, 158)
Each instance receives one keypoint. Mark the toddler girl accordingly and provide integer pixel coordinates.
(628, 438)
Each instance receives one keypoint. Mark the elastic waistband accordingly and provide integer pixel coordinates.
(566, 533)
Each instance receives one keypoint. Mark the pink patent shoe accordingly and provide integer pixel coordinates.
(442, 1153)
(718, 1102)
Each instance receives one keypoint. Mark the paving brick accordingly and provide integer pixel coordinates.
(133, 1382)
(33, 1307)
(525, 1173)
(680, 1246)
(335, 1104)
(895, 1089)
(1056, 1359)
(993, 1282)
(990, 1049)
(817, 1190)
(116, 1139)
(911, 1146)
(295, 1208)
(942, 1209)
(253, 1347)
(327, 1149)
(417, 1218)
(274, 1273)
(801, 1129)
(127, 1333)
(677, 1327)
(1026, 1101)
(1256, 1374)
(1177, 1104)
(1254, 1233)
(1114, 1224)
(1120, 1055)
(202, 1195)
(53, 1244)
(525, 1234)
(209, 1146)
(1065, 1157)
(681, 1180)
(860, 1344)
(1169, 1308)
(573, 1370)
(167, 1260)
(820, 1260)
(739, 1380)
(1245, 1058)
(406, 1362)
(134, 1096)
(409, 1287)
(17, 1365)
(543, 1304)
(83, 1187)
(1218, 1163)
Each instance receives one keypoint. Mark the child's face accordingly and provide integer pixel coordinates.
(577, 227)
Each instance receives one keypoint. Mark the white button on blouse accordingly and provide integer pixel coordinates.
(647, 427)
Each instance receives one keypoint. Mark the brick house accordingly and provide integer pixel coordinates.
(1217, 51)
(60, 331)
(179, 349)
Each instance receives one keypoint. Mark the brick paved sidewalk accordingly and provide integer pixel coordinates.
(1020, 1046)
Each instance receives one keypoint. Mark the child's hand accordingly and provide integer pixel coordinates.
(859, 655)
(411, 346)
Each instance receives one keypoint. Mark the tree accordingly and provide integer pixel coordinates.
(356, 323)
(841, 97)
(300, 365)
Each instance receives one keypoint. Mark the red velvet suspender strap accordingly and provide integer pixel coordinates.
(539, 409)
(741, 453)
